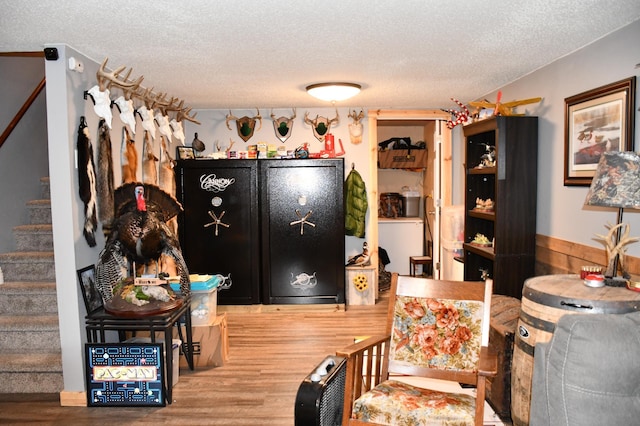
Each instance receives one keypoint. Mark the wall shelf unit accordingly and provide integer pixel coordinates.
(511, 184)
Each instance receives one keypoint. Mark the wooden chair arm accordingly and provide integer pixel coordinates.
(488, 363)
(366, 367)
(363, 345)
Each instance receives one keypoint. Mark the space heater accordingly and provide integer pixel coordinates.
(321, 394)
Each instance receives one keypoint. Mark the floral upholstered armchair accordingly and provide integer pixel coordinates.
(435, 329)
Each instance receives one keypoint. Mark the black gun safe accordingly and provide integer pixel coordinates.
(272, 229)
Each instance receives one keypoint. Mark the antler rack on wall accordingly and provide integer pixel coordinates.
(133, 89)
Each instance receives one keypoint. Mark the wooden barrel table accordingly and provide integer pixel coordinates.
(544, 300)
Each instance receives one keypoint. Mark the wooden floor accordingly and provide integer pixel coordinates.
(270, 354)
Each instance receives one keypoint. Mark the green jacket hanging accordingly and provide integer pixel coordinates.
(356, 205)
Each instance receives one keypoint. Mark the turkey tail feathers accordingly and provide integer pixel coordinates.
(161, 203)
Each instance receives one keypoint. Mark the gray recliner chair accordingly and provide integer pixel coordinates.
(589, 372)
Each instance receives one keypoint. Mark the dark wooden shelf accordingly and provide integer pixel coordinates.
(483, 171)
(486, 252)
(482, 215)
(512, 185)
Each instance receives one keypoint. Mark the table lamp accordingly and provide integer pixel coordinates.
(616, 184)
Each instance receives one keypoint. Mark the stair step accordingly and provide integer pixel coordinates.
(28, 298)
(31, 373)
(32, 363)
(29, 334)
(28, 266)
(39, 211)
(45, 185)
(34, 237)
(30, 350)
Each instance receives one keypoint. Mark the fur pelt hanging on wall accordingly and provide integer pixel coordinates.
(87, 182)
(105, 179)
(128, 157)
(149, 161)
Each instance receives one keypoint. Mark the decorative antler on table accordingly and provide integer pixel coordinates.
(615, 246)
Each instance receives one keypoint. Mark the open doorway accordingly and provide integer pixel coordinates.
(428, 185)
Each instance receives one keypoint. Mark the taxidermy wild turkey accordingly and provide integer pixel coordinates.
(140, 234)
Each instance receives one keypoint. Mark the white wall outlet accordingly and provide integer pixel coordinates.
(75, 65)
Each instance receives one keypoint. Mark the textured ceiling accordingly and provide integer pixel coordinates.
(262, 53)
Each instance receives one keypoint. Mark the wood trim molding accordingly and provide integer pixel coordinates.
(73, 399)
(37, 54)
(22, 111)
(556, 256)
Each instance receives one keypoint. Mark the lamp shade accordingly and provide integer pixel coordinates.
(333, 92)
(616, 182)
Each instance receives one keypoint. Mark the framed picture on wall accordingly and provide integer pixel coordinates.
(90, 294)
(596, 121)
(185, 153)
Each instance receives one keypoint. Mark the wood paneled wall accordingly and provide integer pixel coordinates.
(556, 256)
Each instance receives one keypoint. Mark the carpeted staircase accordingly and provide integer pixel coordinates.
(30, 355)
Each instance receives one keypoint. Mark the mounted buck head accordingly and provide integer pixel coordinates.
(245, 125)
(106, 79)
(321, 125)
(183, 114)
(283, 126)
(355, 128)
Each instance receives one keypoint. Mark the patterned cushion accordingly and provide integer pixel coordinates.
(436, 333)
(397, 403)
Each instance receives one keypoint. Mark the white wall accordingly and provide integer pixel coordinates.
(65, 106)
(23, 156)
(561, 210)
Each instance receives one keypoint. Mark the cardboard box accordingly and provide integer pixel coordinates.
(403, 159)
(210, 344)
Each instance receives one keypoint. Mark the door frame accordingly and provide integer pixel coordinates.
(440, 160)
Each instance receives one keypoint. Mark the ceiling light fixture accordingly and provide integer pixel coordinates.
(333, 92)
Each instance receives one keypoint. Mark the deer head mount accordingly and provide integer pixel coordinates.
(246, 125)
(107, 79)
(283, 126)
(321, 125)
(355, 128)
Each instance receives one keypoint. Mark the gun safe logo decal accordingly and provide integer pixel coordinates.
(213, 183)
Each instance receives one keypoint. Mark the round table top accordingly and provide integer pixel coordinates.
(569, 290)
(120, 307)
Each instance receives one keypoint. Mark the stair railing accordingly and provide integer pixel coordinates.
(25, 107)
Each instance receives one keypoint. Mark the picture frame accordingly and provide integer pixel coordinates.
(90, 294)
(596, 121)
(185, 153)
(126, 374)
